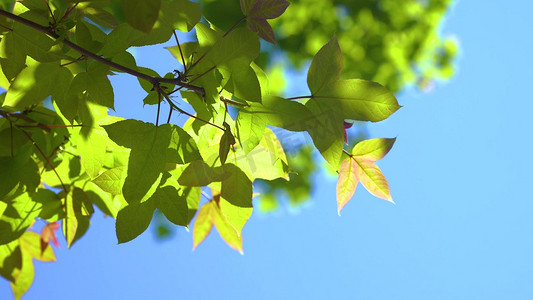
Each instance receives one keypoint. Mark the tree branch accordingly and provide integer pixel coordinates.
(152, 79)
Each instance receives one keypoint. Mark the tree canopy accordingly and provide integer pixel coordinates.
(63, 156)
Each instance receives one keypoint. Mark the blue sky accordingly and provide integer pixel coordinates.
(459, 174)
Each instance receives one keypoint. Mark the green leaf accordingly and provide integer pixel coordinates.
(327, 131)
(226, 230)
(18, 170)
(98, 86)
(226, 142)
(77, 214)
(282, 113)
(373, 149)
(326, 66)
(133, 219)
(358, 99)
(267, 161)
(169, 198)
(141, 14)
(112, 180)
(151, 149)
(235, 51)
(93, 142)
(39, 46)
(23, 276)
(12, 60)
(237, 187)
(250, 129)
(182, 15)
(30, 243)
(10, 260)
(18, 216)
(198, 173)
(34, 83)
(236, 216)
(245, 85)
(203, 223)
(347, 182)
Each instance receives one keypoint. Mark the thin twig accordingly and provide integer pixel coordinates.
(173, 106)
(5, 27)
(152, 79)
(169, 115)
(68, 12)
(181, 53)
(51, 13)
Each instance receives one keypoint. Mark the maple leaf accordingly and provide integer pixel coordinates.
(48, 233)
(258, 11)
(360, 166)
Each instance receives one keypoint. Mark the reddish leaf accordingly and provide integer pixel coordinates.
(48, 233)
(258, 11)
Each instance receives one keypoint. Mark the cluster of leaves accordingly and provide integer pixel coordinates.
(62, 155)
(396, 43)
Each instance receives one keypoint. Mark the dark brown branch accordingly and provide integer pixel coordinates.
(48, 31)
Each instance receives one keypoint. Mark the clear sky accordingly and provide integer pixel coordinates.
(459, 173)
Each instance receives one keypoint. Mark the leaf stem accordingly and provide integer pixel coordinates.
(152, 79)
(173, 106)
(235, 25)
(347, 153)
(74, 61)
(233, 102)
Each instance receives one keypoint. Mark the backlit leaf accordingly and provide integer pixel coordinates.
(250, 129)
(111, 180)
(151, 149)
(133, 219)
(347, 182)
(198, 173)
(203, 223)
(169, 198)
(326, 66)
(226, 143)
(373, 149)
(34, 83)
(141, 14)
(358, 99)
(373, 180)
(237, 187)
